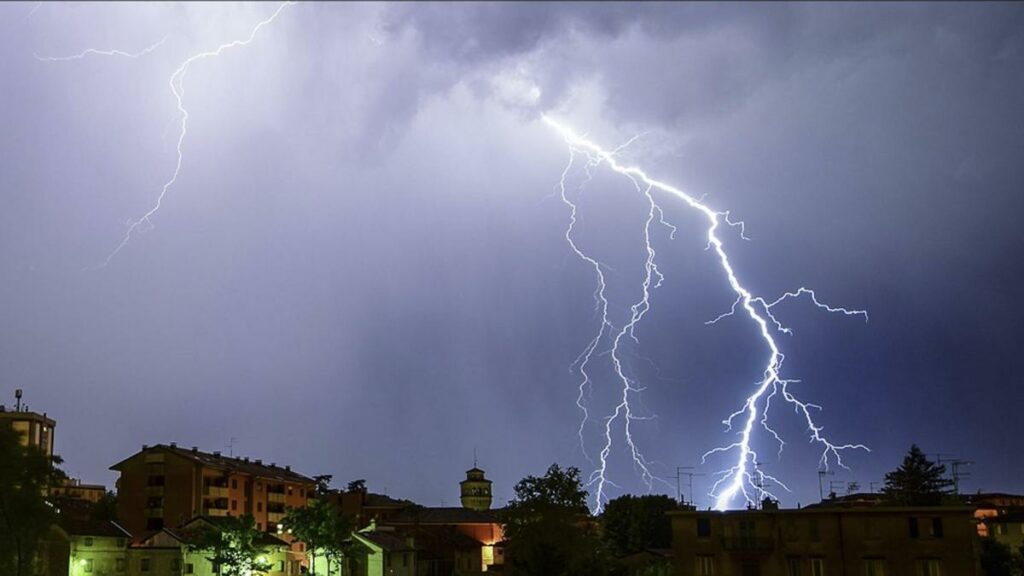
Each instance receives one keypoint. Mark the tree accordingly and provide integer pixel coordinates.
(996, 558)
(548, 528)
(356, 485)
(634, 523)
(25, 515)
(232, 546)
(918, 481)
(322, 529)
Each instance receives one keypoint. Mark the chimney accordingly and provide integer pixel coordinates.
(144, 447)
(174, 444)
(217, 454)
(259, 461)
(288, 467)
(195, 449)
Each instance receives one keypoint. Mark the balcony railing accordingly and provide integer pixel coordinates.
(215, 491)
(748, 544)
(277, 497)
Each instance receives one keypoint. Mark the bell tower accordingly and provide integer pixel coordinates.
(476, 490)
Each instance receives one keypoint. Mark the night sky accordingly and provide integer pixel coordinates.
(362, 270)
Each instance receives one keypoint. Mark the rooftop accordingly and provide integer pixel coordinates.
(227, 463)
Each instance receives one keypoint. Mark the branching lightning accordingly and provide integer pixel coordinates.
(96, 52)
(176, 83)
(744, 478)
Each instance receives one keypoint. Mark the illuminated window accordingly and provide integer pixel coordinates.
(705, 566)
(87, 566)
(817, 567)
(874, 567)
(929, 567)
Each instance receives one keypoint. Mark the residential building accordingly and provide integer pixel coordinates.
(360, 507)
(36, 429)
(166, 552)
(167, 486)
(82, 547)
(992, 505)
(73, 489)
(826, 540)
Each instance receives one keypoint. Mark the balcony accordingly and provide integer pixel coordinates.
(154, 491)
(215, 512)
(275, 497)
(215, 491)
(275, 517)
(154, 512)
(748, 544)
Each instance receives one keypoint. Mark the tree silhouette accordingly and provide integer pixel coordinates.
(232, 546)
(323, 530)
(548, 528)
(25, 474)
(918, 481)
(634, 523)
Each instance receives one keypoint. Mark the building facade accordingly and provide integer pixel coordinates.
(167, 486)
(36, 430)
(826, 541)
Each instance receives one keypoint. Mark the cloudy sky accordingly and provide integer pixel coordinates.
(362, 269)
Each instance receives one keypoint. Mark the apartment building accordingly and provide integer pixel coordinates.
(167, 486)
(36, 430)
(825, 541)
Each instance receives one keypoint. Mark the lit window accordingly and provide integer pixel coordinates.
(817, 567)
(929, 567)
(874, 567)
(705, 566)
(87, 566)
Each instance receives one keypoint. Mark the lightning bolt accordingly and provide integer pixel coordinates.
(744, 478)
(176, 83)
(93, 51)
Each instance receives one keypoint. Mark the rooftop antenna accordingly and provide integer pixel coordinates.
(17, 400)
(689, 483)
(821, 477)
(474, 456)
(958, 473)
(231, 446)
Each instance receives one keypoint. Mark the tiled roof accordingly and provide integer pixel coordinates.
(227, 463)
(86, 527)
(423, 515)
(386, 540)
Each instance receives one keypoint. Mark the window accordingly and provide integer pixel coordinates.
(259, 506)
(1000, 529)
(259, 526)
(190, 568)
(87, 566)
(812, 530)
(936, 528)
(234, 483)
(929, 567)
(817, 567)
(175, 565)
(289, 490)
(234, 504)
(874, 567)
(705, 566)
(144, 565)
(302, 492)
(121, 565)
(87, 541)
(259, 486)
(792, 567)
(703, 527)
(913, 528)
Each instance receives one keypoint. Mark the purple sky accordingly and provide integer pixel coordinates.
(361, 269)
